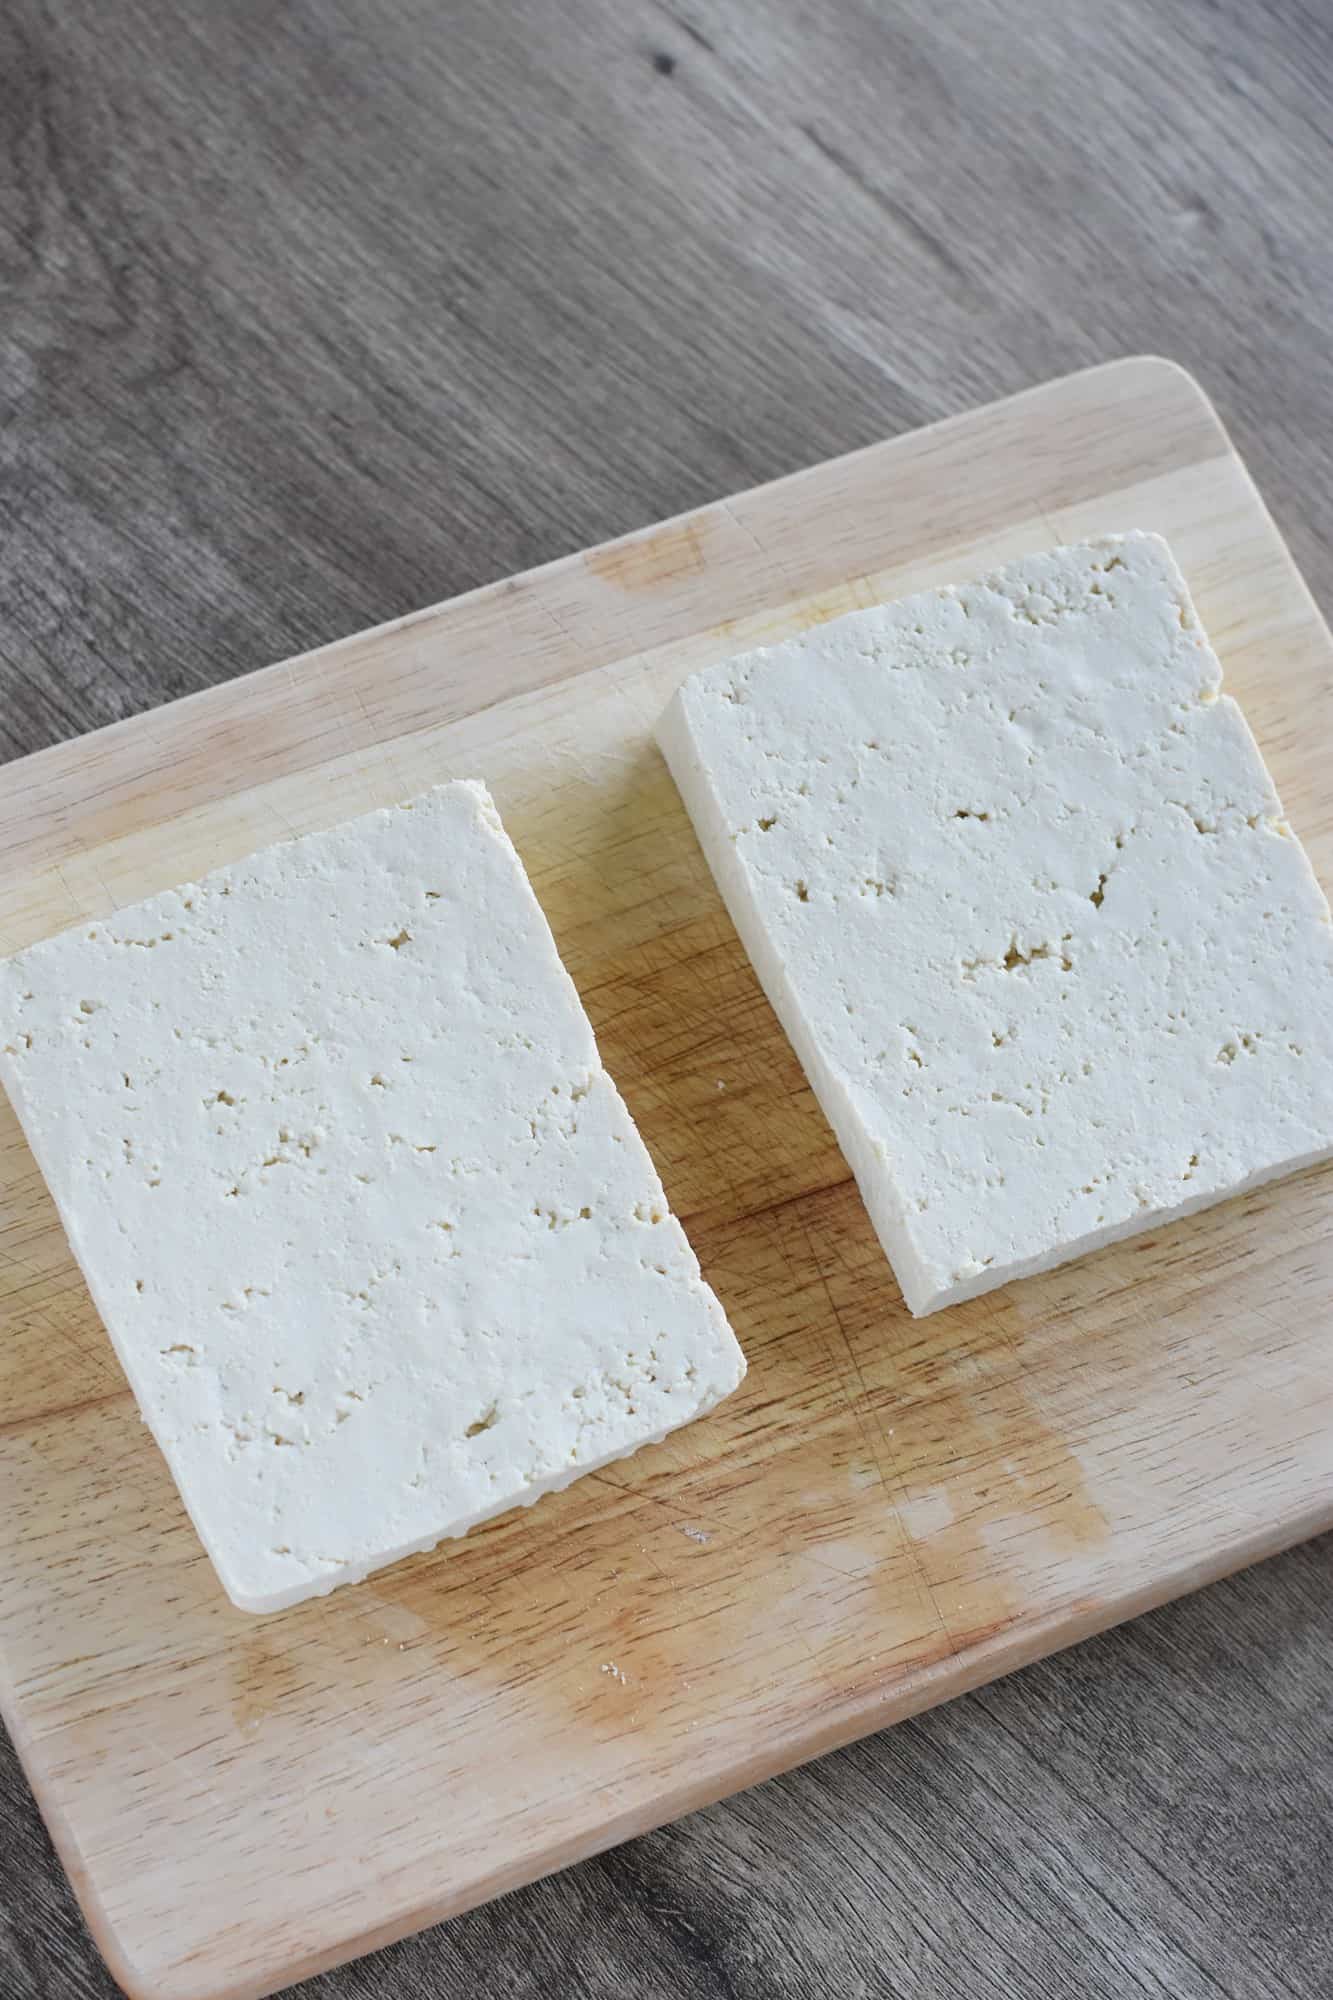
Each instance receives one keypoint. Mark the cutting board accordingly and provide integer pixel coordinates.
(889, 1512)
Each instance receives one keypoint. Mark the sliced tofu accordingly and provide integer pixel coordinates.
(377, 1243)
(1019, 887)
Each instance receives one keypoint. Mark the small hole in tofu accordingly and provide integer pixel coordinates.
(483, 1422)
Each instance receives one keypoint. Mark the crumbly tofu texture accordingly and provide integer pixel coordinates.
(377, 1242)
(1019, 888)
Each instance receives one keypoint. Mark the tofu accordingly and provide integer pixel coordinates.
(377, 1243)
(1020, 890)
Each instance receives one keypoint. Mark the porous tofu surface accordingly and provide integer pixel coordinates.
(1017, 882)
(377, 1242)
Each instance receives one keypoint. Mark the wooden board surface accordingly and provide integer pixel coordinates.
(889, 1512)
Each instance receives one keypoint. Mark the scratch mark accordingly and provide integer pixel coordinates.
(726, 508)
(375, 741)
(696, 35)
(566, 635)
(873, 1440)
(924, 238)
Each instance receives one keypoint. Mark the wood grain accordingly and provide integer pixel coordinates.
(888, 1513)
(318, 313)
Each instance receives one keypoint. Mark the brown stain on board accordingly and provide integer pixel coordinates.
(604, 1619)
(997, 1504)
(646, 562)
(600, 1623)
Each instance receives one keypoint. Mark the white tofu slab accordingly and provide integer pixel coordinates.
(377, 1243)
(1019, 888)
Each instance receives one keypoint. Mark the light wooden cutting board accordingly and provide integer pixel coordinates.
(889, 1512)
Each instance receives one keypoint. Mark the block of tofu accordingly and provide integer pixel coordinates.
(1019, 888)
(377, 1242)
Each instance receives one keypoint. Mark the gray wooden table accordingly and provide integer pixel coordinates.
(314, 312)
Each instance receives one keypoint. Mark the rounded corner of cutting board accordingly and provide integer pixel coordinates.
(135, 1982)
(1161, 378)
